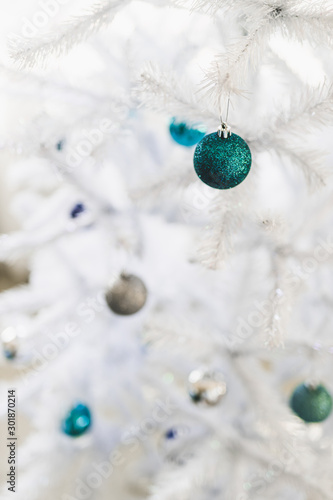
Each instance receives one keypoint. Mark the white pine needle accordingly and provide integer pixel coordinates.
(30, 53)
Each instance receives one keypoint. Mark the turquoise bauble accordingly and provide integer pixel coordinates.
(77, 421)
(311, 404)
(222, 162)
(185, 134)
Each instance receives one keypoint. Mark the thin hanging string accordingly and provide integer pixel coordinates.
(224, 129)
(227, 113)
(228, 104)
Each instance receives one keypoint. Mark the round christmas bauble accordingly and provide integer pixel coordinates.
(311, 403)
(206, 385)
(222, 162)
(77, 421)
(184, 134)
(127, 296)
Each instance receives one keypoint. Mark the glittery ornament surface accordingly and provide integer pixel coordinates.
(127, 296)
(184, 134)
(311, 404)
(222, 163)
(78, 421)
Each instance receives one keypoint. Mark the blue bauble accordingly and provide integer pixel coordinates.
(222, 162)
(77, 421)
(184, 134)
(311, 404)
(77, 210)
(171, 433)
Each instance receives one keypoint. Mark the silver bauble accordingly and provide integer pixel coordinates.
(206, 385)
(127, 295)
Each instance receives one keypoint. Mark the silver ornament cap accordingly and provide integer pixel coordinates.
(206, 385)
(127, 295)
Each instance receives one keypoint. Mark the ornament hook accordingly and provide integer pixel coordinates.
(224, 130)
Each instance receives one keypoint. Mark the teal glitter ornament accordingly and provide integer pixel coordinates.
(222, 160)
(77, 421)
(184, 134)
(311, 403)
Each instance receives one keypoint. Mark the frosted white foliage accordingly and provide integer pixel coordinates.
(160, 90)
(239, 280)
(300, 20)
(29, 52)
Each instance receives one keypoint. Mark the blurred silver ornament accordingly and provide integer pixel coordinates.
(9, 342)
(206, 385)
(127, 295)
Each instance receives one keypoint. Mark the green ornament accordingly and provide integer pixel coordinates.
(222, 160)
(311, 404)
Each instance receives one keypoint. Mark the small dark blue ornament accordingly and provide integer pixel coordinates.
(311, 403)
(184, 134)
(77, 421)
(222, 160)
(77, 210)
(171, 433)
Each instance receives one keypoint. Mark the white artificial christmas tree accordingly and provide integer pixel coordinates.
(189, 398)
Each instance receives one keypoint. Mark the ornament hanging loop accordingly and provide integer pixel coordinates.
(224, 130)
